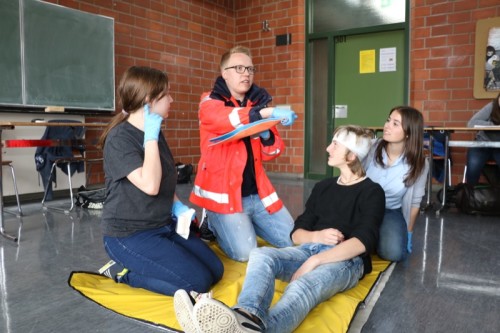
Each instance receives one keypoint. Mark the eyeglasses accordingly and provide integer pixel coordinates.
(240, 69)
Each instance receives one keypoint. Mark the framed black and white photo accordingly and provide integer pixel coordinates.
(487, 58)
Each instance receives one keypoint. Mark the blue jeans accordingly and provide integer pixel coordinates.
(300, 296)
(160, 260)
(393, 236)
(476, 160)
(237, 233)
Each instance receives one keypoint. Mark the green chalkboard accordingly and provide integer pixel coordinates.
(63, 57)
(10, 53)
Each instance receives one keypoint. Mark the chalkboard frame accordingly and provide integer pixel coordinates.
(66, 56)
(10, 56)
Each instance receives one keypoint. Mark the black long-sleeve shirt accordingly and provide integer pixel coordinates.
(356, 210)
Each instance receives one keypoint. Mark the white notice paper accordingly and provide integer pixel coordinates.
(387, 59)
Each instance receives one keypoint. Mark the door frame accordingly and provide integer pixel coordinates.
(331, 38)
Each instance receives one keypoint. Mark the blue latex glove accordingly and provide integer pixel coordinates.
(178, 208)
(152, 125)
(409, 246)
(265, 135)
(287, 116)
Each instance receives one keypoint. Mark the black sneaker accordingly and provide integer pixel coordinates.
(205, 233)
(113, 270)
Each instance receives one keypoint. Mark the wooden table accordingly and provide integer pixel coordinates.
(29, 144)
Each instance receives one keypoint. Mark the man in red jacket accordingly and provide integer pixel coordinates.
(231, 183)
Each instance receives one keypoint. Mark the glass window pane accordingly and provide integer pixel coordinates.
(335, 15)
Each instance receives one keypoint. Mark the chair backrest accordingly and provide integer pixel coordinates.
(437, 143)
(74, 134)
(65, 132)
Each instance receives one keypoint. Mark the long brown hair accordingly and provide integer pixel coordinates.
(495, 111)
(138, 86)
(412, 122)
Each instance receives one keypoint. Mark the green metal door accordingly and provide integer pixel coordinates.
(369, 77)
(341, 91)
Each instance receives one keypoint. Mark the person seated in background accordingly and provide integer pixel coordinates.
(397, 162)
(489, 115)
(335, 237)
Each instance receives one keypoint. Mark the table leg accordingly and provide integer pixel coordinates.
(429, 174)
(445, 179)
(2, 229)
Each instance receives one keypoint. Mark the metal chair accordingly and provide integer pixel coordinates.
(20, 211)
(69, 157)
(490, 162)
(68, 161)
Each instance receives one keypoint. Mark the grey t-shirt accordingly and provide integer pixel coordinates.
(127, 209)
(483, 117)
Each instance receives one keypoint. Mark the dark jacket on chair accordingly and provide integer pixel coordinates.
(45, 156)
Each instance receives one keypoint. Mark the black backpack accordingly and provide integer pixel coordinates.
(481, 199)
(184, 172)
(92, 199)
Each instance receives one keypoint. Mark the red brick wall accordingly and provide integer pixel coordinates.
(280, 68)
(442, 63)
(187, 38)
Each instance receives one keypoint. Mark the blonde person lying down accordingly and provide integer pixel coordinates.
(334, 238)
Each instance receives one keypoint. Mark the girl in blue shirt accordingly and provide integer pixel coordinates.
(396, 161)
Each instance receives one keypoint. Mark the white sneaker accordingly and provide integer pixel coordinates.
(183, 306)
(105, 270)
(213, 316)
(199, 296)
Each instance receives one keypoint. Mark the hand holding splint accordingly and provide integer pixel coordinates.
(265, 135)
(287, 116)
(178, 208)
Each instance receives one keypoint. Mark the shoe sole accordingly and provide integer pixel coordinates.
(212, 316)
(183, 307)
(104, 270)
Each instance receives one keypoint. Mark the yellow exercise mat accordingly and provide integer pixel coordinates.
(334, 315)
